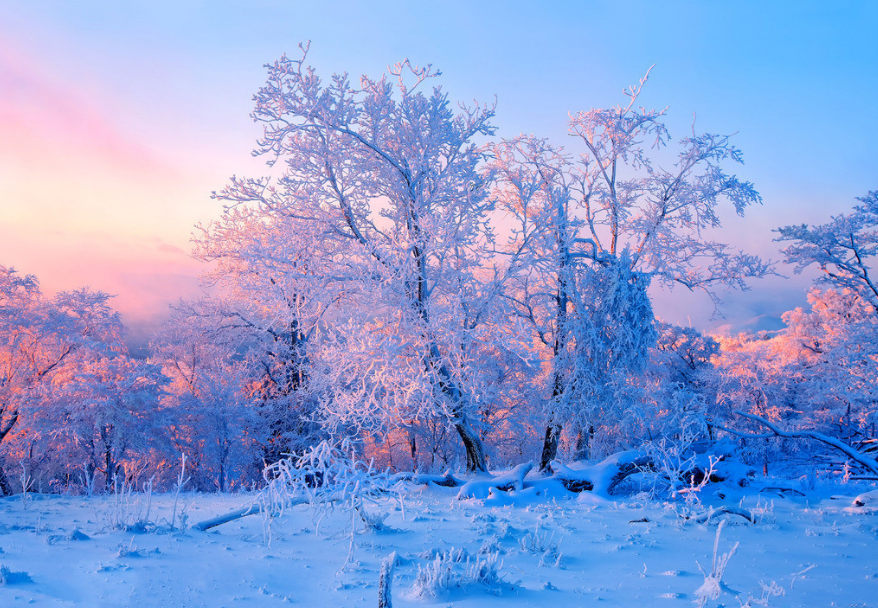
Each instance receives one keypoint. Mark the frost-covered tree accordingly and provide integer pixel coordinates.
(110, 407)
(753, 376)
(271, 281)
(836, 363)
(676, 389)
(611, 207)
(818, 375)
(384, 175)
(843, 249)
(211, 398)
(683, 354)
(39, 339)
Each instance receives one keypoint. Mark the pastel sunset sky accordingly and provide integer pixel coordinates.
(118, 119)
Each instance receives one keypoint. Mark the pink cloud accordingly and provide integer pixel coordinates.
(144, 274)
(44, 119)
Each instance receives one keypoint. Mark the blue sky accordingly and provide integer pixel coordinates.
(121, 117)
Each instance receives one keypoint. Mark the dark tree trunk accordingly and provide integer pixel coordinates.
(447, 387)
(109, 468)
(475, 452)
(285, 382)
(413, 449)
(553, 427)
(562, 299)
(5, 488)
(550, 446)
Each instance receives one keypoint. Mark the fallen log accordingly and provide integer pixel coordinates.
(605, 476)
(219, 520)
(446, 480)
(481, 487)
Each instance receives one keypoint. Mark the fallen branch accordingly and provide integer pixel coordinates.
(850, 452)
(219, 520)
(781, 491)
(481, 487)
(706, 517)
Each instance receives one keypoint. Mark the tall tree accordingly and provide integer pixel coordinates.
(211, 397)
(271, 279)
(613, 207)
(385, 175)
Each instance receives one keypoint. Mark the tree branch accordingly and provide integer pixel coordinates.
(850, 452)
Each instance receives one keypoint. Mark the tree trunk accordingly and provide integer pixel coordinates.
(5, 488)
(475, 452)
(413, 449)
(583, 443)
(108, 467)
(550, 446)
(553, 428)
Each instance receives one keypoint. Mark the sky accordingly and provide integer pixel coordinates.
(118, 119)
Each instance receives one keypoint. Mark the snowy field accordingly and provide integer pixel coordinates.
(808, 548)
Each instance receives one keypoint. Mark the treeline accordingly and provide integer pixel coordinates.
(404, 279)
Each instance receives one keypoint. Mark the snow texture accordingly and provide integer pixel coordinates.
(805, 549)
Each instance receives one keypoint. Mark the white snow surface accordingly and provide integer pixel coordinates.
(511, 549)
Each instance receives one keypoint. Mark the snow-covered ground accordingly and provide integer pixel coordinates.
(512, 550)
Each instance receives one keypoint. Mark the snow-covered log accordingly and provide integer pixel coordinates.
(219, 520)
(603, 477)
(707, 517)
(481, 487)
(446, 480)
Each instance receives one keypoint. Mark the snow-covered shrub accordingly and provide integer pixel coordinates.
(542, 543)
(711, 588)
(437, 575)
(327, 477)
(483, 570)
(456, 568)
(678, 470)
(8, 577)
(766, 592)
(131, 509)
(491, 545)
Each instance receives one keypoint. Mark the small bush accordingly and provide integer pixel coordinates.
(457, 569)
